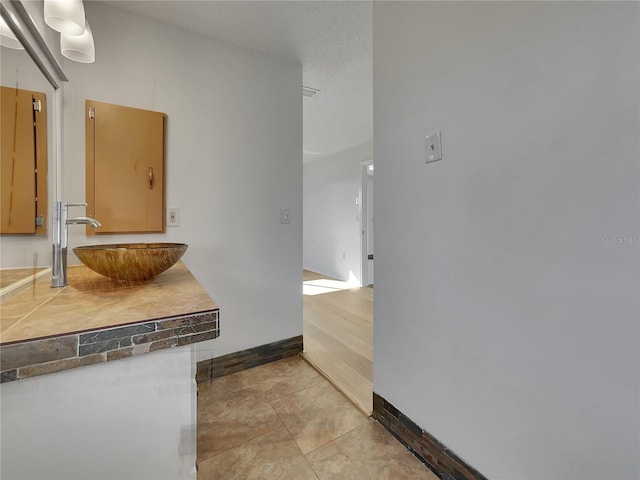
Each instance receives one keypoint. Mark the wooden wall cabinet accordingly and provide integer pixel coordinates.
(125, 150)
(23, 162)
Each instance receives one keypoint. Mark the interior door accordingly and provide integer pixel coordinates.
(125, 168)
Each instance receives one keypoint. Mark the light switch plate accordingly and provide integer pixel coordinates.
(285, 215)
(173, 217)
(433, 147)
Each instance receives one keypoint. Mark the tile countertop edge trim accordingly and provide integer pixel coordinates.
(26, 359)
(111, 327)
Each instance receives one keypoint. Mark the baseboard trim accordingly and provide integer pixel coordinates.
(251, 357)
(440, 459)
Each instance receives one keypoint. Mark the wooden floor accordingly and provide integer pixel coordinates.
(338, 335)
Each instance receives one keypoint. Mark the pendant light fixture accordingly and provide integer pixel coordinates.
(79, 48)
(65, 16)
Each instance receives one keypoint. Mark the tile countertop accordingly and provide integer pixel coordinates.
(95, 319)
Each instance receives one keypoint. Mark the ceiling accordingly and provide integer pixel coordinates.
(332, 40)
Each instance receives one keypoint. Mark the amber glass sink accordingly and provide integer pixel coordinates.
(130, 262)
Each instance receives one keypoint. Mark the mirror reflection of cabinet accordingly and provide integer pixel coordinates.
(23, 138)
(125, 168)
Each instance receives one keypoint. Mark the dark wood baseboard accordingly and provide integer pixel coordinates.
(441, 460)
(251, 357)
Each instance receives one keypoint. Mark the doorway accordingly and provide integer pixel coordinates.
(338, 313)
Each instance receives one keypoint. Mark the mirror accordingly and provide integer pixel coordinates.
(23, 159)
(32, 68)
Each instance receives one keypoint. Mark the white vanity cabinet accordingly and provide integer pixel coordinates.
(134, 418)
(97, 379)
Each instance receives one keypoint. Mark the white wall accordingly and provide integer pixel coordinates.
(507, 274)
(331, 222)
(234, 147)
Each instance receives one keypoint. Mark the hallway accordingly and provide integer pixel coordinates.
(338, 334)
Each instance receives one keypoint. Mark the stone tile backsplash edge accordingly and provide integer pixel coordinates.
(428, 449)
(39, 357)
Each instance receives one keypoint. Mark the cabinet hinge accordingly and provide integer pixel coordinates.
(37, 105)
(39, 221)
(92, 112)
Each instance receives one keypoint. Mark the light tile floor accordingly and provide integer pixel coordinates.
(284, 421)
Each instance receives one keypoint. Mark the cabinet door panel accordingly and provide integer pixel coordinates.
(125, 168)
(18, 192)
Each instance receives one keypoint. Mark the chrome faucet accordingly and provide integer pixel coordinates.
(60, 222)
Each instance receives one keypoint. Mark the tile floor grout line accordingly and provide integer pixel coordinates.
(263, 435)
(282, 425)
(237, 446)
(330, 385)
(198, 423)
(287, 429)
(296, 443)
(338, 437)
(322, 379)
(295, 393)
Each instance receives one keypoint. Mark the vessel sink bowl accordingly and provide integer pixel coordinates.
(130, 262)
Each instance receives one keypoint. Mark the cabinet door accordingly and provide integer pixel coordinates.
(23, 139)
(125, 168)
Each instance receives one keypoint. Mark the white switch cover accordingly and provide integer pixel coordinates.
(285, 215)
(173, 217)
(433, 147)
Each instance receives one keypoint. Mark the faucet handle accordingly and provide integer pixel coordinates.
(82, 204)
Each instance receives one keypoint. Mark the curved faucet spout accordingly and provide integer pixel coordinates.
(92, 222)
(60, 222)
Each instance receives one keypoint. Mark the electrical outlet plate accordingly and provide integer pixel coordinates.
(173, 217)
(433, 147)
